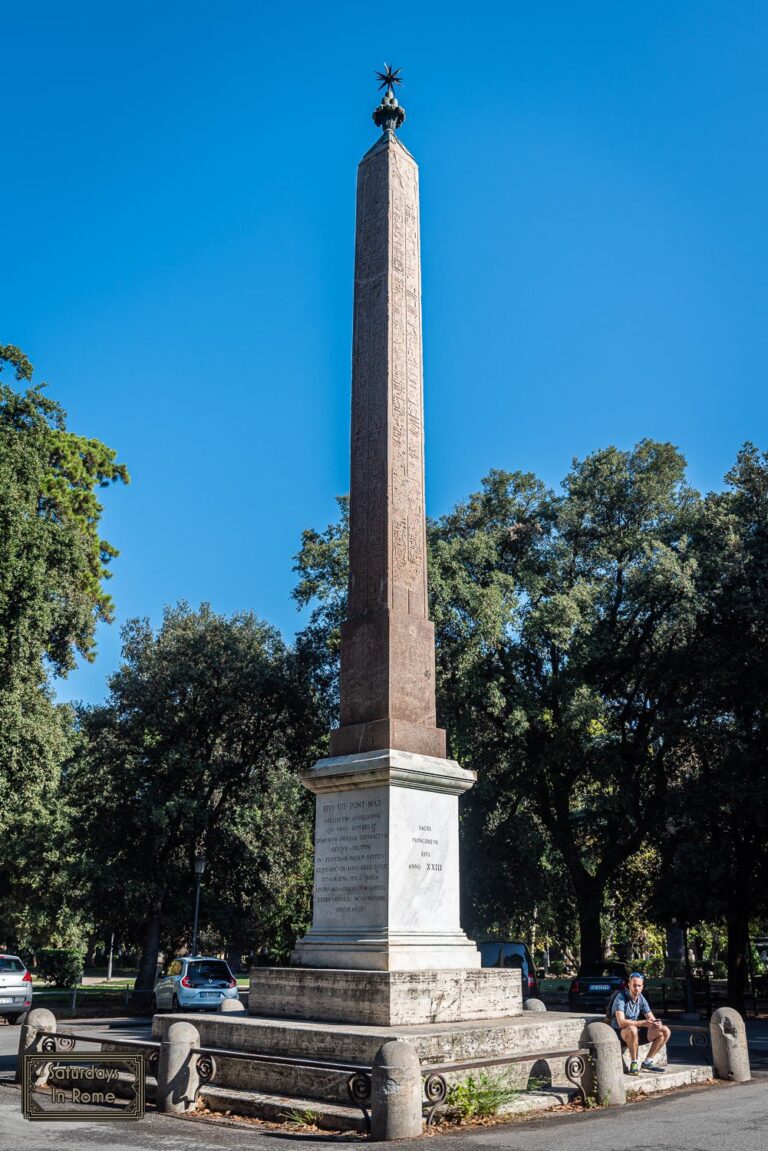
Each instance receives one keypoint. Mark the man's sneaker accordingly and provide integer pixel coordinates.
(649, 1065)
(633, 1068)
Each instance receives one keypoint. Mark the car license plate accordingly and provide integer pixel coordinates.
(210, 994)
(599, 987)
(5, 999)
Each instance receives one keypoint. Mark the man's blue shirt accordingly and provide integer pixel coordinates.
(632, 1008)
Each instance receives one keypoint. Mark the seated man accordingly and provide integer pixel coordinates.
(632, 1017)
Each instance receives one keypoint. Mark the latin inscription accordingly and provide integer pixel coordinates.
(426, 848)
(351, 854)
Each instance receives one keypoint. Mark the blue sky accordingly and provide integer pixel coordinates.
(178, 218)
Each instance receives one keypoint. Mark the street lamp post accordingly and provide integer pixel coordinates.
(199, 869)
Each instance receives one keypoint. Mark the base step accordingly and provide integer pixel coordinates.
(283, 1108)
(676, 1075)
(335, 1117)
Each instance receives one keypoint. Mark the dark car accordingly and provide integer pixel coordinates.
(595, 984)
(512, 955)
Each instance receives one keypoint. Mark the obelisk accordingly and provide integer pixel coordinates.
(386, 893)
(388, 643)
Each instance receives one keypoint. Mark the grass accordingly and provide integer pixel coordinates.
(477, 1097)
(299, 1118)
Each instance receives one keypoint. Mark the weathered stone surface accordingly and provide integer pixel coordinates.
(384, 998)
(730, 1053)
(177, 1077)
(388, 651)
(396, 1092)
(30, 1040)
(231, 1005)
(386, 894)
(605, 1048)
(348, 1043)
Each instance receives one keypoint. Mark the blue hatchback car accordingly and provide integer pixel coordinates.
(194, 983)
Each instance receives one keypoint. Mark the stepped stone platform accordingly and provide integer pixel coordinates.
(384, 998)
(277, 1092)
(435, 1043)
(358, 1043)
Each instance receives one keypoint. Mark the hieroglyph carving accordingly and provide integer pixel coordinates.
(387, 529)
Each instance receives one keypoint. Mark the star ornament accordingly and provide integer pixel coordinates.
(389, 77)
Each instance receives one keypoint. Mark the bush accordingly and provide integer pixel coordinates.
(61, 966)
(651, 968)
(477, 1097)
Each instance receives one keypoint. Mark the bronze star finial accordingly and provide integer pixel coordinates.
(389, 77)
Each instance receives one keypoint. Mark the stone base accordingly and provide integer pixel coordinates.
(532, 1032)
(385, 998)
(386, 894)
(383, 734)
(384, 950)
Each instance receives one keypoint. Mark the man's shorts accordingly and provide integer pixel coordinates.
(642, 1036)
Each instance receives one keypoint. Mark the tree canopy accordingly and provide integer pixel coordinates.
(191, 753)
(53, 566)
(572, 659)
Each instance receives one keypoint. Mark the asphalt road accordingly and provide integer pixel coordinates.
(700, 1119)
(706, 1119)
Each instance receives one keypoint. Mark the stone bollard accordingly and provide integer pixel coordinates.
(37, 1020)
(177, 1077)
(730, 1054)
(534, 1005)
(396, 1092)
(605, 1049)
(228, 1005)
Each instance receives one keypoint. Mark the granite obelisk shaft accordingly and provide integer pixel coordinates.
(388, 650)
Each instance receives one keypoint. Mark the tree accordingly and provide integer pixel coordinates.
(190, 753)
(717, 865)
(53, 565)
(562, 625)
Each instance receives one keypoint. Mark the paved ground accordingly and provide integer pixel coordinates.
(707, 1119)
(703, 1119)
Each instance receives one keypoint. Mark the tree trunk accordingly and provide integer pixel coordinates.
(738, 960)
(145, 980)
(90, 951)
(589, 900)
(234, 951)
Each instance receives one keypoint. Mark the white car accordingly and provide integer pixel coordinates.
(15, 988)
(194, 983)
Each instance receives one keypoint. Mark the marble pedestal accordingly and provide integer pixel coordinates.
(386, 890)
(385, 998)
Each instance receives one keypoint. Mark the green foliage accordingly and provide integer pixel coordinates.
(651, 968)
(53, 559)
(195, 750)
(302, 1118)
(563, 703)
(53, 564)
(322, 565)
(477, 1097)
(563, 623)
(715, 857)
(61, 966)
